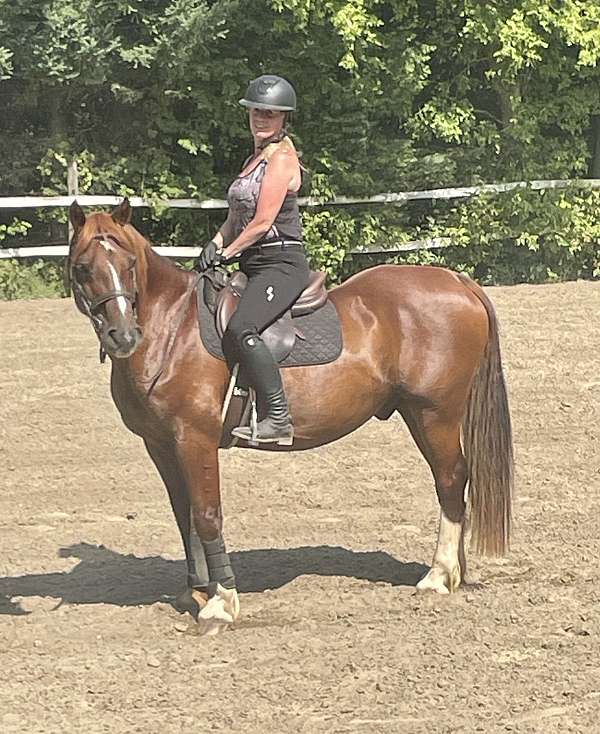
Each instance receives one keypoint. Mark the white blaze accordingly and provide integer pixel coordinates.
(121, 302)
(107, 246)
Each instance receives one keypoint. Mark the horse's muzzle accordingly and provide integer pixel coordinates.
(121, 342)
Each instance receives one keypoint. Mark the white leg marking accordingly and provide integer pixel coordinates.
(445, 574)
(121, 302)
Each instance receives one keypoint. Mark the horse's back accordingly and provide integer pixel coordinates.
(420, 291)
(403, 281)
(424, 321)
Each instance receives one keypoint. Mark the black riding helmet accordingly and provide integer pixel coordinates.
(270, 92)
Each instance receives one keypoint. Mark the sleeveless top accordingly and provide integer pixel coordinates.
(242, 198)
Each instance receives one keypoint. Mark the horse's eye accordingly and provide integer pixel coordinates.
(82, 271)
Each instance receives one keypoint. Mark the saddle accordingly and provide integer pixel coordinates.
(222, 296)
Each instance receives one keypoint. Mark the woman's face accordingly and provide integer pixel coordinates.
(265, 124)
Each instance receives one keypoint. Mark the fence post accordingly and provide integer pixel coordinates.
(72, 190)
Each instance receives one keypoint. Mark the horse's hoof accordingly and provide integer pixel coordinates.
(424, 587)
(191, 601)
(439, 581)
(220, 612)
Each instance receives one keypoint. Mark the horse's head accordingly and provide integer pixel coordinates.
(102, 273)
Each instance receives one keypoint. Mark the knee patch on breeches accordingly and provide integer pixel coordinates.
(235, 341)
(249, 341)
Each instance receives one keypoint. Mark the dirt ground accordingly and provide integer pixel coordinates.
(327, 547)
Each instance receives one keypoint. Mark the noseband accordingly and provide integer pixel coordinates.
(90, 306)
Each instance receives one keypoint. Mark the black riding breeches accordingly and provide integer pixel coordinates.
(274, 283)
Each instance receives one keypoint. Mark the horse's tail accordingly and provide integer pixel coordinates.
(487, 439)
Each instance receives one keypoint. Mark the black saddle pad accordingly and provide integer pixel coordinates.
(321, 329)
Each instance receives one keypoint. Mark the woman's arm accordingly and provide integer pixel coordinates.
(281, 170)
(225, 234)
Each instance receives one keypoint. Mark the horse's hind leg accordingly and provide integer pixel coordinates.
(438, 438)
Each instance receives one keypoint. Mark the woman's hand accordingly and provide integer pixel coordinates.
(210, 256)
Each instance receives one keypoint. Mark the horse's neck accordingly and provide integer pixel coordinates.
(163, 288)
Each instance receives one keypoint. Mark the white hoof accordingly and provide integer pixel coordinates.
(440, 580)
(220, 611)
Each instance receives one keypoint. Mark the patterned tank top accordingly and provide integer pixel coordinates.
(242, 198)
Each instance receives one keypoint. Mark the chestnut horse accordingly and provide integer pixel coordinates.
(422, 341)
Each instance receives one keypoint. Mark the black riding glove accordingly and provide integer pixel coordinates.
(209, 257)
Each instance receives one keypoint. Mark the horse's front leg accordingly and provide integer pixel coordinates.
(166, 461)
(211, 578)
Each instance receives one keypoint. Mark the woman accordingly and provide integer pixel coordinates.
(263, 228)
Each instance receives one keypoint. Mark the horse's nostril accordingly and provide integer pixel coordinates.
(122, 339)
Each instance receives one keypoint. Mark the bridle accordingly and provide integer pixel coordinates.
(90, 306)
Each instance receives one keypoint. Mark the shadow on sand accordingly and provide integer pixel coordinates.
(104, 576)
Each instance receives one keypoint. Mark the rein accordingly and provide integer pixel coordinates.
(151, 382)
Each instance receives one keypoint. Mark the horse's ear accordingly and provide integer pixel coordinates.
(122, 213)
(76, 215)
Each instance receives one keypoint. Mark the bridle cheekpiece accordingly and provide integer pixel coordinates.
(90, 306)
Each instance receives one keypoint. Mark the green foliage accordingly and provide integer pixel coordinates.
(393, 95)
(327, 236)
(16, 228)
(522, 236)
(36, 280)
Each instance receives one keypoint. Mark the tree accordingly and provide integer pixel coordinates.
(394, 94)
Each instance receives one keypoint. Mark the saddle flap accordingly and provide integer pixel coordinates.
(281, 335)
(212, 288)
(318, 335)
(313, 296)
(228, 299)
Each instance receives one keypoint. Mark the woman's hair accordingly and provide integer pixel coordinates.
(282, 141)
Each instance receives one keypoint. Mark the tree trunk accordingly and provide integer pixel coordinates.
(507, 94)
(57, 130)
(595, 162)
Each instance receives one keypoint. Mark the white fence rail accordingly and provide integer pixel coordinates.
(399, 198)
(38, 202)
(46, 251)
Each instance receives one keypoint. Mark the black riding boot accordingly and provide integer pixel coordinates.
(262, 372)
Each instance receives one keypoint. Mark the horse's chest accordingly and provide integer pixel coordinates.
(137, 410)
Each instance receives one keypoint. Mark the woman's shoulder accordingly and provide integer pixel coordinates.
(282, 152)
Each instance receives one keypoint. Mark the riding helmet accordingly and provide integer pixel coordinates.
(270, 92)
